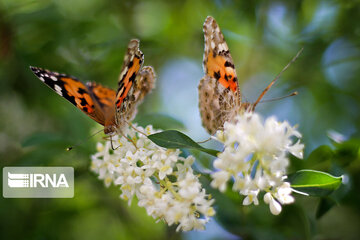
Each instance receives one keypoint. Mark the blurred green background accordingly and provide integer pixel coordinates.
(88, 39)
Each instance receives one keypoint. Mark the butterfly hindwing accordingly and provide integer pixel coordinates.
(72, 90)
(216, 106)
(219, 94)
(104, 96)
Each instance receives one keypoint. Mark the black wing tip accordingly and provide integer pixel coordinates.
(36, 69)
(32, 68)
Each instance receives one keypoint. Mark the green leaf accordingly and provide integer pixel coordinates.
(315, 183)
(176, 139)
(320, 154)
(159, 121)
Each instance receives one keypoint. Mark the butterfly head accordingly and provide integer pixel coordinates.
(110, 130)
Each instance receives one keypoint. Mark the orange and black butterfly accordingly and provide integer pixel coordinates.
(219, 94)
(110, 108)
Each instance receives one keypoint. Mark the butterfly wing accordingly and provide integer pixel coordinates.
(105, 97)
(144, 83)
(219, 95)
(134, 83)
(72, 90)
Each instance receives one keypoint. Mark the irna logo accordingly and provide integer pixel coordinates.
(16, 180)
(38, 182)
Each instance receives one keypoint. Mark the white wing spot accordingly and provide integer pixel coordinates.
(123, 73)
(220, 46)
(223, 47)
(42, 79)
(212, 44)
(53, 78)
(58, 89)
(120, 91)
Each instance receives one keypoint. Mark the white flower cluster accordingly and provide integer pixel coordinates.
(255, 158)
(162, 181)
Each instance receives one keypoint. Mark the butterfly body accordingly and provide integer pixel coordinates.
(219, 95)
(112, 109)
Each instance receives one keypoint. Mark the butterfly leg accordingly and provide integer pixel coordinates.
(109, 138)
(112, 146)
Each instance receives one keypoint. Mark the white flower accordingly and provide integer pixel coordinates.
(283, 194)
(251, 197)
(161, 180)
(255, 158)
(220, 180)
(275, 207)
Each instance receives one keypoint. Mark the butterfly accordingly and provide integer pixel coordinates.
(219, 94)
(112, 109)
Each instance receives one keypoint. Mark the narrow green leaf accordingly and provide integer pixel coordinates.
(176, 139)
(315, 183)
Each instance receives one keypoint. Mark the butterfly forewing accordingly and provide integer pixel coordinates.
(72, 90)
(132, 63)
(134, 83)
(144, 83)
(218, 62)
(219, 95)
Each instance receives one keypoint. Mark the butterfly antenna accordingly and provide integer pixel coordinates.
(279, 98)
(276, 78)
(87, 139)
